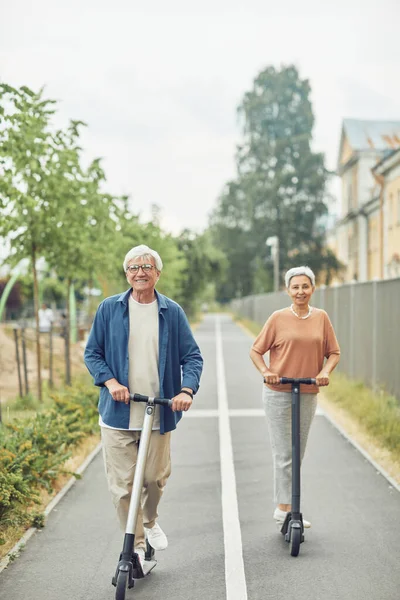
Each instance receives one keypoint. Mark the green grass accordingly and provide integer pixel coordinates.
(29, 405)
(376, 411)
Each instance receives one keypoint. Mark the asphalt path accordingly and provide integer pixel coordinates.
(217, 510)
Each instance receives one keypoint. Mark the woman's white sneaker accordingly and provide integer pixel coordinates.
(280, 516)
(156, 537)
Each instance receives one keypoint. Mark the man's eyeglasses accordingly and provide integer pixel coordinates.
(135, 268)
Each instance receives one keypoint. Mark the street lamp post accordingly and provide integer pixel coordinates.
(273, 243)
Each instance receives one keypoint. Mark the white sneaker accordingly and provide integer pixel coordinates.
(280, 516)
(140, 553)
(156, 537)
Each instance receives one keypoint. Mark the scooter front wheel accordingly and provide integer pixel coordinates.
(295, 540)
(122, 584)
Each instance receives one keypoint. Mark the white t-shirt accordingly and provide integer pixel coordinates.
(143, 361)
(45, 319)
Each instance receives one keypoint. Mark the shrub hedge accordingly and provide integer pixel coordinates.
(33, 451)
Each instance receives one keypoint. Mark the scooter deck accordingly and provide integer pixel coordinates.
(147, 567)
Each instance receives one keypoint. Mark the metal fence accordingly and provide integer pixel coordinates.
(366, 318)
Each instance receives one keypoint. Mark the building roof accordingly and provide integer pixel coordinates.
(389, 160)
(372, 135)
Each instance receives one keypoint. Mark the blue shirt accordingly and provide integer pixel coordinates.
(106, 356)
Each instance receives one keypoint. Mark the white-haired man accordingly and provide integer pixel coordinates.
(141, 342)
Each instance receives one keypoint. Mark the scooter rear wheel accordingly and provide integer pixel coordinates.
(122, 583)
(295, 540)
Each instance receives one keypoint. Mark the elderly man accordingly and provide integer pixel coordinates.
(141, 342)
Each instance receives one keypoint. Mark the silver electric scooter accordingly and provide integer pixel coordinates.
(293, 528)
(129, 567)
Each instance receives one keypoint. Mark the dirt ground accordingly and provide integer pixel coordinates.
(9, 386)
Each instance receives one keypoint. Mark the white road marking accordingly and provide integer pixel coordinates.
(198, 413)
(194, 413)
(235, 579)
(247, 412)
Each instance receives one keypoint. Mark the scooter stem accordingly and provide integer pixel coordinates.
(140, 467)
(296, 449)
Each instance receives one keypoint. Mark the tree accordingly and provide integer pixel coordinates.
(50, 206)
(230, 231)
(86, 221)
(280, 185)
(28, 180)
(204, 264)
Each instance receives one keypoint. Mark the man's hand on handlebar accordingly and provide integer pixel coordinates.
(181, 401)
(119, 392)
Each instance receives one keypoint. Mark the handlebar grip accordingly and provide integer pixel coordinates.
(164, 402)
(160, 401)
(304, 380)
(138, 397)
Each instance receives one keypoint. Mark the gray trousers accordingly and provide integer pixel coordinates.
(278, 409)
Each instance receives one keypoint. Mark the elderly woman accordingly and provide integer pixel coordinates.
(298, 339)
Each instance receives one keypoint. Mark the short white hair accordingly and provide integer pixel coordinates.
(299, 271)
(143, 251)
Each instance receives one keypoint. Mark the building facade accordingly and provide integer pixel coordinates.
(366, 237)
(387, 173)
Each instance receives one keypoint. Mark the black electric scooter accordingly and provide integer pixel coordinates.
(129, 567)
(292, 527)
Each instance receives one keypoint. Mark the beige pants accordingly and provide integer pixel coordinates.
(120, 451)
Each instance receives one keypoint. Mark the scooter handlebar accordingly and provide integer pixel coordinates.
(305, 380)
(160, 401)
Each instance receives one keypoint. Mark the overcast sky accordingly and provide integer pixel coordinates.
(159, 82)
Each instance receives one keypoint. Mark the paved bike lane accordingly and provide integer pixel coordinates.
(351, 552)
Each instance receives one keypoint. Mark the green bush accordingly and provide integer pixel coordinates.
(14, 492)
(33, 450)
(28, 402)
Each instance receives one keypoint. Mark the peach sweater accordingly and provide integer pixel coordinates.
(297, 347)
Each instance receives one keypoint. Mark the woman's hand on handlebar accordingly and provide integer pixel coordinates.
(272, 379)
(322, 379)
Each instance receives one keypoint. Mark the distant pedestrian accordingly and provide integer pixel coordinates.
(298, 339)
(46, 318)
